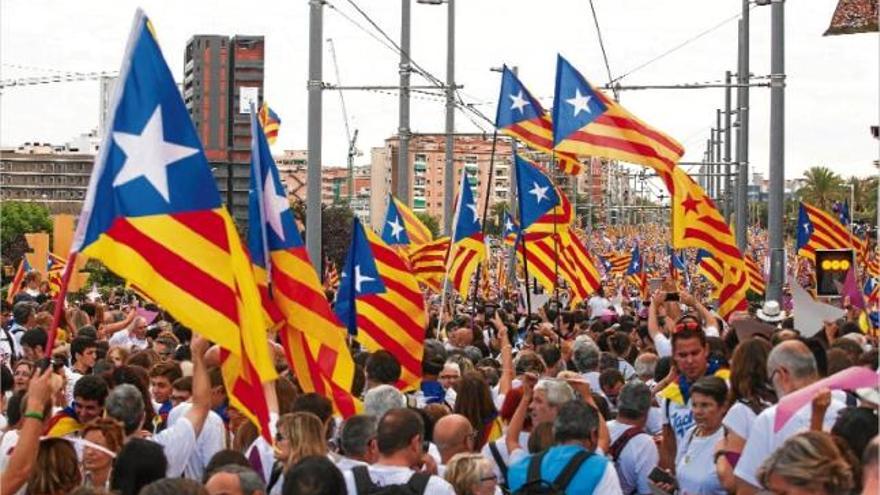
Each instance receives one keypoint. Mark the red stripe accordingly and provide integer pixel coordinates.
(399, 288)
(818, 216)
(385, 341)
(208, 224)
(388, 257)
(716, 224)
(622, 122)
(621, 145)
(311, 298)
(460, 265)
(177, 270)
(402, 320)
(732, 251)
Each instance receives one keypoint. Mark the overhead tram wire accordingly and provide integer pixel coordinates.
(678, 46)
(418, 69)
(602, 47)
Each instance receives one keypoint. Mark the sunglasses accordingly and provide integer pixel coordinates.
(689, 325)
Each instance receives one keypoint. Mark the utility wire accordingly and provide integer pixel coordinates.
(602, 46)
(679, 46)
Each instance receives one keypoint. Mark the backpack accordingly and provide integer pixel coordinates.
(617, 447)
(534, 485)
(364, 485)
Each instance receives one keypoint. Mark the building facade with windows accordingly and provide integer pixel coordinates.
(58, 181)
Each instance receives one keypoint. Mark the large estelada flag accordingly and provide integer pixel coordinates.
(380, 303)
(521, 116)
(587, 122)
(153, 214)
(311, 335)
(426, 256)
(468, 248)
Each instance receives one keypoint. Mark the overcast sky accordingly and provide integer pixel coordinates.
(831, 99)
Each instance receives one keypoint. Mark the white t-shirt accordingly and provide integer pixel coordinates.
(763, 440)
(396, 475)
(508, 457)
(598, 305)
(654, 423)
(72, 377)
(680, 419)
(592, 377)
(625, 369)
(179, 442)
(345, 463)
(662, 344)
(739, 419)
(636, 460)
(694, 467)
(122, 338)
(211, 440)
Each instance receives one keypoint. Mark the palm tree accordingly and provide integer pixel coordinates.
(822, 187)
(865, 197)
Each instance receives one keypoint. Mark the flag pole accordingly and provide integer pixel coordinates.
(521, 236)
(257, 164)
(59, 306)
(556, 245)
(483, 227)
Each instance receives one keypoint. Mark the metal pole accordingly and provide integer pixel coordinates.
(403, 127)
(719, 138)
(449, 172)
(512, 204)
(710, 165)
(742, 143)
(313, 190)
(728, 139)
(777, 150)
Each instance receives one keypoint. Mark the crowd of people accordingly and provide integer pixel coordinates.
(616, 395)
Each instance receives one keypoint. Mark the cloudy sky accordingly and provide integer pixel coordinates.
(831, 99)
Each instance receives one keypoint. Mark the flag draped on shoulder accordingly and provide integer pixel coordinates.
(468, 247)
(587, 122)
(521, 116)
(311, 335)
(379, 301)
(153, 214)
(270, 122)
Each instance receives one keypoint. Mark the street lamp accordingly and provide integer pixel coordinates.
(449, 172)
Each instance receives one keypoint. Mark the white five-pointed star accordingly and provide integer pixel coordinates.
(274, 205)
(473, 207)
(359, 279)
(508, 225)
(581, 103)
(539, 192)
(396, 228)
(519, 103)
(148, 155)
(807, 228)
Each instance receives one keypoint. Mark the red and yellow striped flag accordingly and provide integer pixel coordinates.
(756, 276)
(428, 262)
(828, 233)
(732, 294)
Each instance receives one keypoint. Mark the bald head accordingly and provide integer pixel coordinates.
(792, 366)
(453, 434)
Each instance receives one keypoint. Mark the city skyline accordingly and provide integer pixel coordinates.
(831, 95)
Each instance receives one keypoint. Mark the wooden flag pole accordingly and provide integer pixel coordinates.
(59, 306)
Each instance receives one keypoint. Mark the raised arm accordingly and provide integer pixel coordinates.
(201, 384)
(507, 373)
(24, 456)
(515, 427)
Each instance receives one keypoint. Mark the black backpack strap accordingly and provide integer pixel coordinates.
(418, 482)
(496, 454)
(571, 469)
(534, 474)
(274, 476)
(362, 482)
(620, 444)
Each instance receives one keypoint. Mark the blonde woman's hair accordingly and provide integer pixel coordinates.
(810, 460)
(305, 433)
(464, 472)
(56, 470)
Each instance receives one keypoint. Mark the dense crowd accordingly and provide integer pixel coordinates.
(617, 395)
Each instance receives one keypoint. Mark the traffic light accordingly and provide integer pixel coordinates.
(831, 268)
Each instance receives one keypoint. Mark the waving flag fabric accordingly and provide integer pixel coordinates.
(582, 274)
(871, 290)
(557, 219)
(270, 122)
(562, 253)
(635, 272)
(54, 271)
(15, 286)
(394, 231)
(697, 223)
(521, 116)
(311, 335)
(511, 229)
(732, 294)
(468, 247)
(618, 262)
(153, 214)
(710, 268)
(380, 303)
(818, 229)
(756, 276)
(416, 231)
(536, 193)
(586, 122)
(428, 263)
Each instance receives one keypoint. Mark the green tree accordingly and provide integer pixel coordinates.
(336, 223)
(100, 275)
(822, 187)
(864, 207)
(431, 222)
(16, 219)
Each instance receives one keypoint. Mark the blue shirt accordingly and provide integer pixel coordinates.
(585, 481)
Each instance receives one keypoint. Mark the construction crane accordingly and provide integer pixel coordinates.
(56, 78)
(352, 137)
